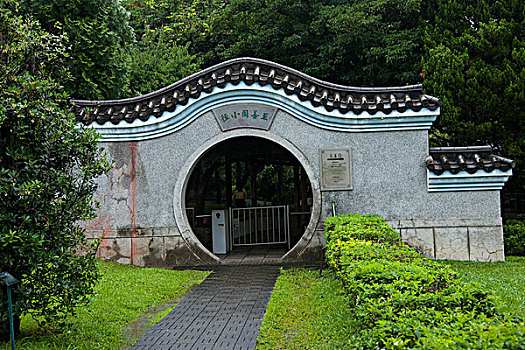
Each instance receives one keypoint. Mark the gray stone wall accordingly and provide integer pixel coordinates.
(474, 239)
(138, 226)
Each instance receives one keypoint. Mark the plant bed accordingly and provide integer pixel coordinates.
(401, 299)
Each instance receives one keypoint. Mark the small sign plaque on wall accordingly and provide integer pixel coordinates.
(336, 169)
(246, 115)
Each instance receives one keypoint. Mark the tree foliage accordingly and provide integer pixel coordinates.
(184, 20)
(475, 61)
(47, 171)
(374, 43)
(349, 42)
(158, 62)
(98, 32)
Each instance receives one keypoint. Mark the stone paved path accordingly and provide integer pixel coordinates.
(223, 312)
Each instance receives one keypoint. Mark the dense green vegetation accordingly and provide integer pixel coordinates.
(310, 311)
(123, 294)
(349, 42)
(475, 61)
(514, 237)
(401, 299)
(98, 34)
(47, 176)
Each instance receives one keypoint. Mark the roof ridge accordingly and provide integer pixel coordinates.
(346, 88)
(254, 70)
(469, 149)
(470, 159)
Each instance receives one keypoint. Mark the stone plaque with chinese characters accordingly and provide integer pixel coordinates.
(247, 115)
(336, 169)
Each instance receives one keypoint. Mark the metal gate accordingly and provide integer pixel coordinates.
(260, 225)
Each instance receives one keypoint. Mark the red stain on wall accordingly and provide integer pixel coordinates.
(133, 175)
(102, 248)
(100, 227)
(103, 222)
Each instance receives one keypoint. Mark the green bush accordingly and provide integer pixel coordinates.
(368, 227)
(402, 299)
(514, 235)
(48, 167)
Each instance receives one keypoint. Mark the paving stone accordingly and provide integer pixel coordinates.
(178, 346)
(245, 345)
(224, 345)
(223, 312)
(166, 341)
(189, 338)
(203, 346)
(162, 347)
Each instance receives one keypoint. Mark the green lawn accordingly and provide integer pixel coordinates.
(123, 294)
(506, 279)
(306, 312)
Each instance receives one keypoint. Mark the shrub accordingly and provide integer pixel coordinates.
(514, 235)
(402, 299)
(368, 227)
(48, 168)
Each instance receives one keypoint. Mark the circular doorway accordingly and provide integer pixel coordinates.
(263, 183)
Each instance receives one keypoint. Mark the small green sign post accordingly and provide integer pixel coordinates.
(9, 281)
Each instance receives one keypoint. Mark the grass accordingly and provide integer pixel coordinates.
(123, 294)
(505, 279)
(306, 312)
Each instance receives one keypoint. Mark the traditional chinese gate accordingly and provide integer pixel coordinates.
(260, 226)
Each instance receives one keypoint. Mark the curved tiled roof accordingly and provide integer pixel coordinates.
(251, 70)
(470, 159)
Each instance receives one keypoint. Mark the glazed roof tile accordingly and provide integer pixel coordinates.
(251, 70)
(470, 159)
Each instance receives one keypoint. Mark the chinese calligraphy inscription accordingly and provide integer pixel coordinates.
(249, 115)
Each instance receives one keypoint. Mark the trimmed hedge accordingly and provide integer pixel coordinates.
(404, 300)
(514, 234)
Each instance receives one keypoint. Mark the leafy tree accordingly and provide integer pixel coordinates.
(98, 30)
(150, 14)
(186, 22)
(475, 61)
(278, 30)
(372, 42)
(47, 171)
(349, 42)
(358, 42)
(158, 62)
